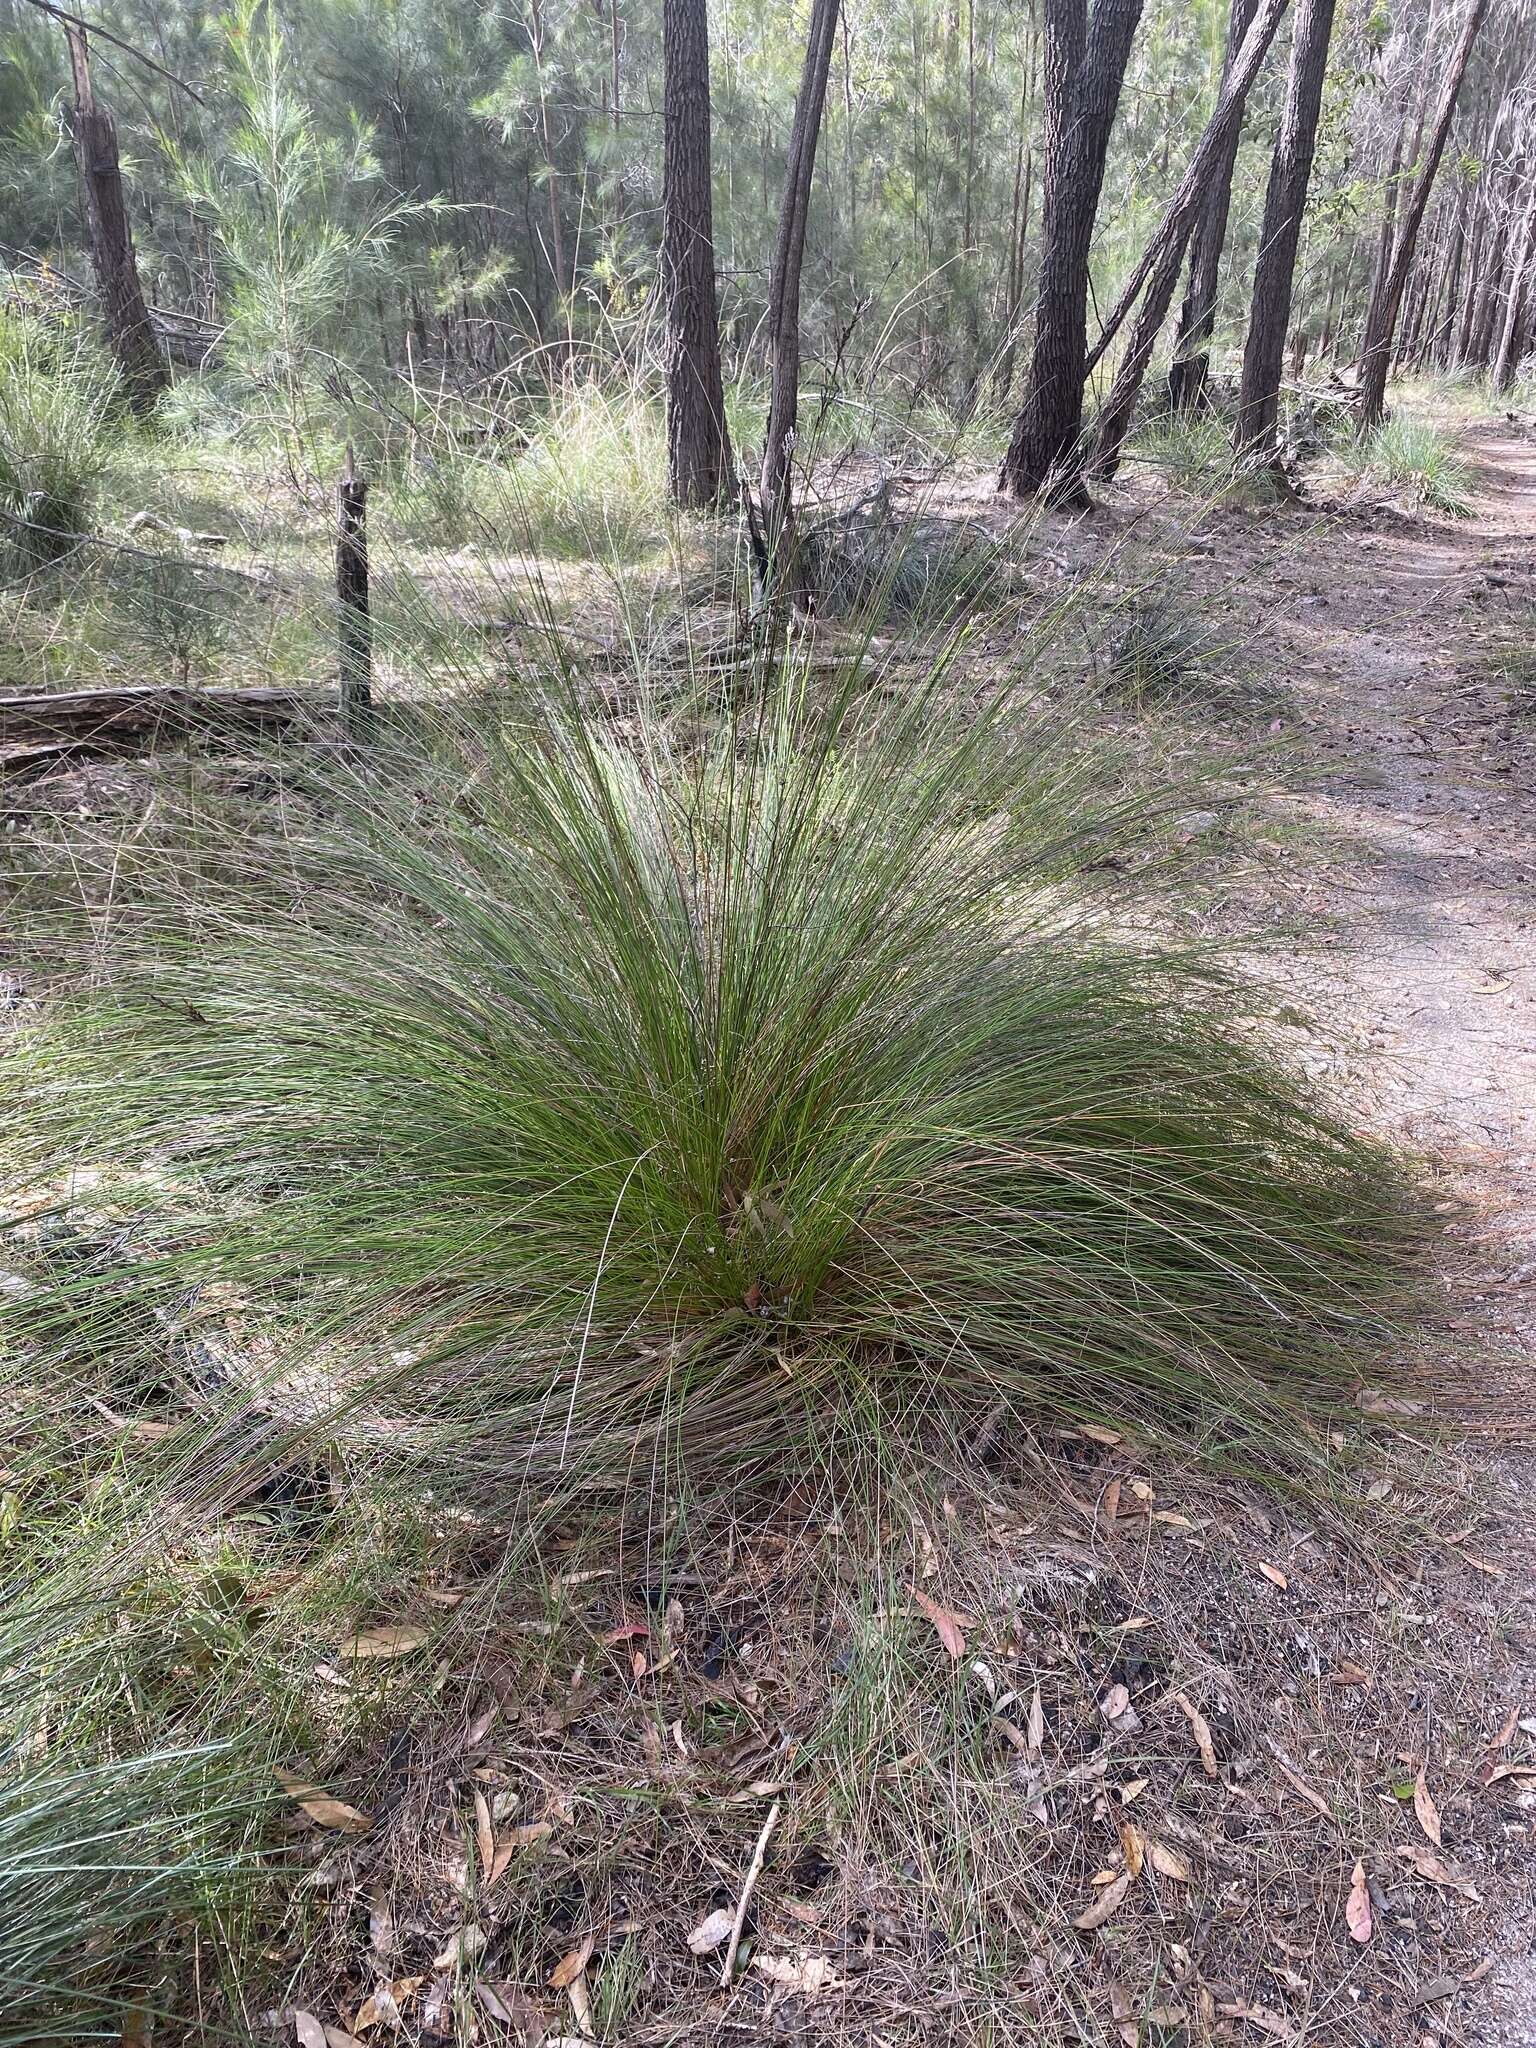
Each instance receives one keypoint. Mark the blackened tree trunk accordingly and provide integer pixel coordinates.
(131, 333)
(1381, 324)
(1285, 198)
(1190, 369)
(698, 444)
(1164, 259)
(1084, 66)
(784, 294)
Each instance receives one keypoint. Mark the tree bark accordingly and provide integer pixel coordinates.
(131, 333)
(41, 731)
(1466, 317)
(1084, 68)
(698, 444)
(1506, 355)
(1485, 301)
(1386, 238)
(1164, 259)
(354, 622)
(1285, 198)
(1439, 336)
(784, 294)
(1190, 370)
(1381, 323)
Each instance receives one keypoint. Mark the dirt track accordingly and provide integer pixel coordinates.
(1434, 782)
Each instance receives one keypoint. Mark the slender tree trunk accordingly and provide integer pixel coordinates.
(698, 444)
(1424, 282)
(1486, 300)
(1381, 323)
(564, 282)
(131, 333)
(1084, 67)
(1447, 294)
(1165, 257)
(1290, 173)
(1506, 355)
(1329, 327)
(1387, 233)
(1018, 233)
(784, 294)
(1466, 323)
(1190, 369)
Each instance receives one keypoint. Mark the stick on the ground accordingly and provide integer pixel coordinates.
(754, 1871)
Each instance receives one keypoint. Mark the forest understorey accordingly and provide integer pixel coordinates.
(1239, 1763)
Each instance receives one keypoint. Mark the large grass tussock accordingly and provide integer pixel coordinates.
(599, 1101)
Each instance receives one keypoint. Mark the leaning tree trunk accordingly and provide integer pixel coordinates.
(1381, 324)
(698, 444)
(784, 296)
(1285, 198)
(1190, 370)
(1084, 67)
(130, 331)
(1164, 259)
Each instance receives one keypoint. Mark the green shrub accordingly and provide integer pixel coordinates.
(1419, 456)
(56, 404)
(187, 612)
(561, 1114)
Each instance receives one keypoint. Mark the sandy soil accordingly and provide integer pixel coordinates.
(1434, 960)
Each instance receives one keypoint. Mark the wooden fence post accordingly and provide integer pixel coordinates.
(354, 626)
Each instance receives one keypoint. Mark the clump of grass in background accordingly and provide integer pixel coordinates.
(1164, 653)
(882, 566)
(1418, 456)
(445, 498)
(1191, 449)
(592, 479)
(57, 401)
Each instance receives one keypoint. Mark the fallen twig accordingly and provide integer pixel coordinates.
(754, 1871)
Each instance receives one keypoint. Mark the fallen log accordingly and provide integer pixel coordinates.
(42, 728)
